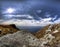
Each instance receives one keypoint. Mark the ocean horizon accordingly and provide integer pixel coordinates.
(30, 28)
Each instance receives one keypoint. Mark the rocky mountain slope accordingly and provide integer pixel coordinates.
(19, 39)
(6, 29)
(49, 35)
(11, 36)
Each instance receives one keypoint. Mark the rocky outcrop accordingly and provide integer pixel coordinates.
(49, 36)
(6, 29)
(11, 36)
(19, 39)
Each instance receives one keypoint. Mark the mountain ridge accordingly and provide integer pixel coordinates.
(49, 35)
(6, 29)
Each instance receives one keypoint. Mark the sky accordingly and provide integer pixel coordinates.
(29, 12)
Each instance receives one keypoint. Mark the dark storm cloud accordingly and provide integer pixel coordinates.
(22, 7)
(13, 0)
(54, 0)
(32, 6)
(43, 12)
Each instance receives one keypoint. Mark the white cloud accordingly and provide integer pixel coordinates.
(39, 11)
(24, 22)
(25, 16)
(18, 16)
(55, 17)
(57, 21)
(48, 15)
(20, 22)
(42, 22)
(46, 19)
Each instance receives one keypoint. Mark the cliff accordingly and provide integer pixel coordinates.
(6, 29)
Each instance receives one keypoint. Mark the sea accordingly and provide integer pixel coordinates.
(30, 28)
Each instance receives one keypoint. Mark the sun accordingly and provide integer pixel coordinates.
(10, 10)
